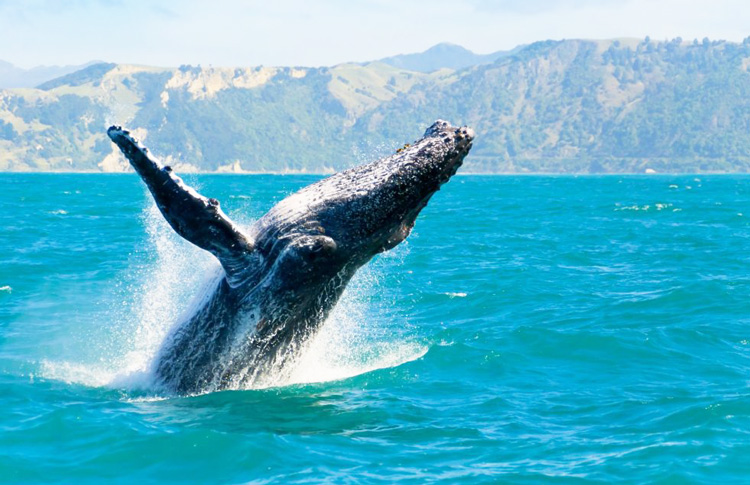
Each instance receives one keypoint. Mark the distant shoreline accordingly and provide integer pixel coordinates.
(566, 107)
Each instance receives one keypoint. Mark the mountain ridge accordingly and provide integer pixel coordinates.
(443, 56)
(439, 56)
(570, 106)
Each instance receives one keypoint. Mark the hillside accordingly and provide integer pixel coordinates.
(556, 106)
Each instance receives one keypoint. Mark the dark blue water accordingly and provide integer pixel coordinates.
(566, 329)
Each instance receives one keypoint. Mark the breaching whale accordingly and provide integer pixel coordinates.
(284, 274)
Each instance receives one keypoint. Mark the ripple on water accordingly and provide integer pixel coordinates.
(536, 329)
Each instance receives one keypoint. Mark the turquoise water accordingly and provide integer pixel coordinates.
(563, 329)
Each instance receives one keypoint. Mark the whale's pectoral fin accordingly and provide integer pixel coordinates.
(193, 216)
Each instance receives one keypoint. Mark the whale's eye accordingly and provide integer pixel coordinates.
(315, 247)
(307, 249)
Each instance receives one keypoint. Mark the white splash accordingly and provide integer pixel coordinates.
(180, 274)
(75, 373)
(145, 311)
(352, 341)
(646, 207)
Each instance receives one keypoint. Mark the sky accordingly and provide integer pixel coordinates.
(327, 32)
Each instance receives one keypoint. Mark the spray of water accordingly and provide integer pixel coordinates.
(352, 341)
(176, 280)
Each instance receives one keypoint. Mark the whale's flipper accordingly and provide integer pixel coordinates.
(193, 216)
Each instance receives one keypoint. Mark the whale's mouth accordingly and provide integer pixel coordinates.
(403, 229)
(401, 232)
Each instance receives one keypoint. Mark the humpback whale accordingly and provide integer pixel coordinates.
(283, 275)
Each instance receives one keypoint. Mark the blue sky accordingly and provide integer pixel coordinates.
(327, 32)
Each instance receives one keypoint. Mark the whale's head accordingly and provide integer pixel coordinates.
(375, 207)
(344, 220)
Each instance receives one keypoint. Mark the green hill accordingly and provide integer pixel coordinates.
(572, 106)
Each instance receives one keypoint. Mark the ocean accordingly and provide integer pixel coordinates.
(532, 329)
